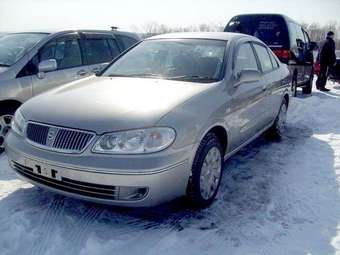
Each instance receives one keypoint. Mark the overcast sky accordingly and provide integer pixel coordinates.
(16, 15)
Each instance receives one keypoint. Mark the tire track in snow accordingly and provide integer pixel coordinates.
(77, 235)
(48, 226)
(152, 233)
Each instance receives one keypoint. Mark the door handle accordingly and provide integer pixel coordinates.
(264, 87)
(82, 72)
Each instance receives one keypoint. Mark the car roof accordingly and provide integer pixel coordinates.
(49, 32)
(288, 19)
(225, 36)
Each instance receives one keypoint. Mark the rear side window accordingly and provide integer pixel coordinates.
(271, 29)
(98, 50)
(114, 48)
(264, 58)
(273, 59)
(245, 58)
(126, 41)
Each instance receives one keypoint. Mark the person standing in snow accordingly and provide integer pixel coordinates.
(327, 59)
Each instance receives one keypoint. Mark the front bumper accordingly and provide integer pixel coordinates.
(147, 180)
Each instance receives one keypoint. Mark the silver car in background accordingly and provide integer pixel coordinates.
(31, 63)
(156, 124)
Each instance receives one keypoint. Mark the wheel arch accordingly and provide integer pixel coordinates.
(10, 103)
(221, 132)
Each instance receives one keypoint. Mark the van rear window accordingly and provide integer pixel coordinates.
(272, 30)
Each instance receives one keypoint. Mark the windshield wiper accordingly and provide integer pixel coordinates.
(4, 65)
(144, 75)
(192, 77)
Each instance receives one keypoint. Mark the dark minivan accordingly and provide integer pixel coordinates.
(286, 38)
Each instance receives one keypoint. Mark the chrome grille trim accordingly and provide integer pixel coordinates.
(58, 139)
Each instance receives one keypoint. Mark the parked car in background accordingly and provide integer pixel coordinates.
(334, 73)
(287, 39)
(156, 124)
(31, 63)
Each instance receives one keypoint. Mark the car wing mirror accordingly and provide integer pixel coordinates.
(246, 76)
(45, 66)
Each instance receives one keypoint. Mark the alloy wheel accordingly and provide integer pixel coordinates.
(5, 126)
(210, 173)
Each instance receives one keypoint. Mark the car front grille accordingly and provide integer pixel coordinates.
(58, 138)
(69, 185)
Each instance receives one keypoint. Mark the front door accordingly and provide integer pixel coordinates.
(67, 53)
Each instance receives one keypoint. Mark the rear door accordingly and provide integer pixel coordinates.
(271, 79)
(246, 107)
(99, 50)
(66, 51)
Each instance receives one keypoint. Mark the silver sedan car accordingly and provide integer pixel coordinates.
(156, 124)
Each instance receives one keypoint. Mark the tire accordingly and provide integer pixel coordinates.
(294, 87)
(6, 115)
(307, 89)
(277, 129)
(206, 172)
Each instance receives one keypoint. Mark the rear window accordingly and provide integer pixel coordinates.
(271, 29)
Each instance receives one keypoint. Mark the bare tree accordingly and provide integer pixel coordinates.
(316, 31)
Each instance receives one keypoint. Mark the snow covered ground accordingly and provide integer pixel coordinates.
(275, 198)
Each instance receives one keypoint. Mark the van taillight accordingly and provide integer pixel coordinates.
(282, 54)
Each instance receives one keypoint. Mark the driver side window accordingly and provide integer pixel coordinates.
(245, 59)
(65, 50)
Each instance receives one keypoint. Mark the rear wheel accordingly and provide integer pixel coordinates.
(307, 89)
(294, 87)
(279, 126)
(6, 116)
(206, 172)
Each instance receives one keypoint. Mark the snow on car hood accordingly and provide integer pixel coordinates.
(105, 104)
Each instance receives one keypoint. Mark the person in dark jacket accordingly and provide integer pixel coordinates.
(327, 59)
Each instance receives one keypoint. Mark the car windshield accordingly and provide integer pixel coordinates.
(196, 60)
(14, 46)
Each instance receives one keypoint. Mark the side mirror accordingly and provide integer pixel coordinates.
(48, 65)
(247, 75)
(313, 46)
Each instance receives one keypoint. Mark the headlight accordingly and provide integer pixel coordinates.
(18, 124)
(135, 141)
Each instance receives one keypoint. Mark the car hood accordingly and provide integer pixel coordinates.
(105, 104)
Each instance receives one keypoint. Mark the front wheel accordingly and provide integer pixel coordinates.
(6, 116)
(206, 172)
